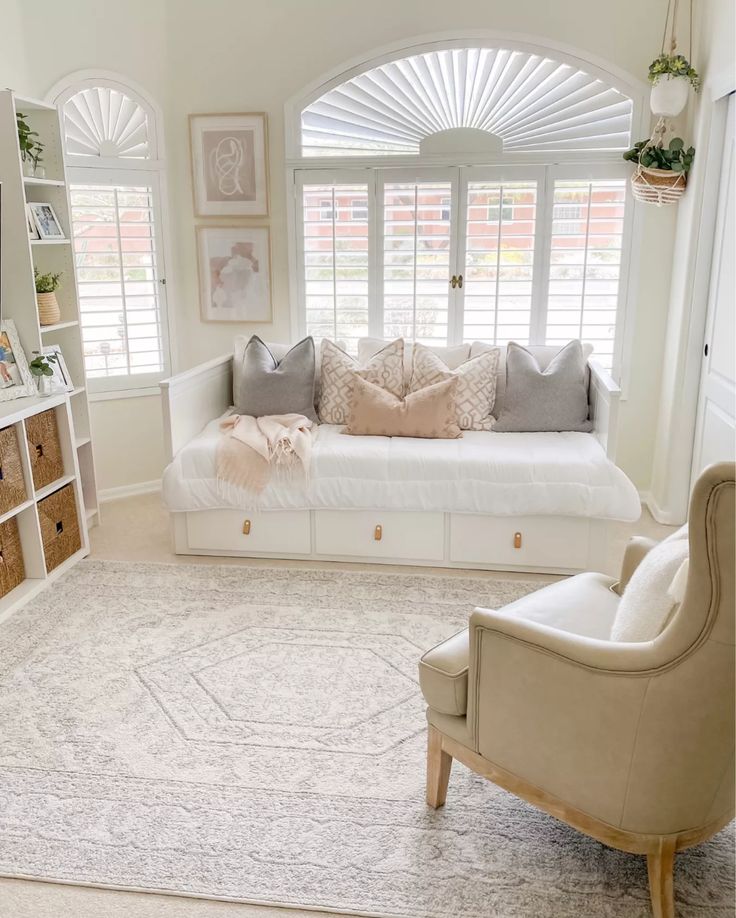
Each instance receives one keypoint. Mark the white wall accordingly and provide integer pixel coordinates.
(713, 54)
(242, 55)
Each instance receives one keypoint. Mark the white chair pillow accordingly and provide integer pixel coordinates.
(653, 593)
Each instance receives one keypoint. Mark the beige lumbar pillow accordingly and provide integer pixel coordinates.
(429, 413)
(476, 389)
(384, 369)
(653, 594)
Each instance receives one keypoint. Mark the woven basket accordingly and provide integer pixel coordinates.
(48, 309)
(12, 483)
(59, 526)
(658, 186)
(12, 569)
(42, 433)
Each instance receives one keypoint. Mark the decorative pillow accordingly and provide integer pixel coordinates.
(476, 388)
(544, 354)
(452, 355)
(264, 385)
(552, 399)
(385, 369)
(429, 413)
(652, 594)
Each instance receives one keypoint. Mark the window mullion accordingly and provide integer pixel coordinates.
(126, 339)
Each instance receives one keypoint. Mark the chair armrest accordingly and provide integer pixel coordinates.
(636, 550)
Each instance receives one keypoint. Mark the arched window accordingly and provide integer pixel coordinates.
(464, 193)
(114, 162)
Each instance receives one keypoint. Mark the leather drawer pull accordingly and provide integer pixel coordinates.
(246, 527)
(378, 533)
(517, 540)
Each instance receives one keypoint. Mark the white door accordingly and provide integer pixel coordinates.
(715, 432)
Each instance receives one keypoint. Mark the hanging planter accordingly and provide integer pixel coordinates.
(672, 77)
(661, 171)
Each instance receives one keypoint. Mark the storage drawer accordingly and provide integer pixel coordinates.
(12, 483)
(59, 526)
(283, 531)
(529, 541)
(44, 448)
(378, 534)
(12, 569)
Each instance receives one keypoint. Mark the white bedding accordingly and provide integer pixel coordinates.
(502, 474)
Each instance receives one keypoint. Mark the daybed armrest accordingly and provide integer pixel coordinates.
(194, 398)
(604, 395)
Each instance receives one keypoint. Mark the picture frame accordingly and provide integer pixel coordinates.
(61, 380)
(16, 380)
(229, 155)
(32, 229)
(234, 273)
(45, 219)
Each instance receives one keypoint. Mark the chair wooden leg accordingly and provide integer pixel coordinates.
(439, 764)
(660, 864)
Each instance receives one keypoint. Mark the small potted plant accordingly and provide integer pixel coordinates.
(661, 174)
(30, 147)
(48, 306)
(43, 372)
(672, 77)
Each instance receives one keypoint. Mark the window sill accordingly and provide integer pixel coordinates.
(114, 394)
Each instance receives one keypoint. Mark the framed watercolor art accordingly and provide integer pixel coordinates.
(229, 164)
(16, 380)
(234, 273)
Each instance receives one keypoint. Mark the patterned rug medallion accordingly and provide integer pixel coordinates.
(257, 735)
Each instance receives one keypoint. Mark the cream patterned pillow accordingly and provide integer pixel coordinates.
(476, 388)
(385, 369)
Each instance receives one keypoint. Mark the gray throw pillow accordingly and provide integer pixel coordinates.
(263, 385)
(555, 398)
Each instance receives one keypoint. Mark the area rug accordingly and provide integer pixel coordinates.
(257, 734)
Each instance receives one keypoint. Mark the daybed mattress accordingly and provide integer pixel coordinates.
(502, 474)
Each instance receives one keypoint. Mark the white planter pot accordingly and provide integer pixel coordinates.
(669, 96)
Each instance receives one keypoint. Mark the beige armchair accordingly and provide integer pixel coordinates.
(631, 743)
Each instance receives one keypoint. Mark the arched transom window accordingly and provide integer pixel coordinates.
(465, 193)
(115, 170)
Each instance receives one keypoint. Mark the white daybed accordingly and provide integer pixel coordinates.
(523, 501)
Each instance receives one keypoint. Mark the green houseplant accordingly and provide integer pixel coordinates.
(661, 173)
(31, 148)
(673, 65)
(672, 76)
(48, 306)
(43, 372)
(673, 158)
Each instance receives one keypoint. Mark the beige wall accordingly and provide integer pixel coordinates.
(242, 55)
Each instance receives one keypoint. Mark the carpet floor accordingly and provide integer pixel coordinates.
(257, 735)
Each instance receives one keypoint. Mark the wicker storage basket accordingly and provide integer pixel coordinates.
(658, 186)
(12, 483)
(12, 569)
(42, 433)
(59, 526)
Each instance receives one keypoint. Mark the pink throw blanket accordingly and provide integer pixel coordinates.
(252, 449)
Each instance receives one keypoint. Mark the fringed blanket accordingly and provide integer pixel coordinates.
(252, 450)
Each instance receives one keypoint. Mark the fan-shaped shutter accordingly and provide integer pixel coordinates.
(104, 122)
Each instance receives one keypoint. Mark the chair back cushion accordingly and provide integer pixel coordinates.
(267, 383)
(429, 413)
(654, 592)
(553, 399)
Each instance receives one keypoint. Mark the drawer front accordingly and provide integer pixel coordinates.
(284, 531)
(419, 536)
(533, 541)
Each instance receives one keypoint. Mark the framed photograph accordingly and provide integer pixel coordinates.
(229, 164)
(32, 231)
(234, 273)
(16, 380)
(46, 221)
(61, 381)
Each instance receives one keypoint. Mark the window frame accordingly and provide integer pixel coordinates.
(119, 178)
(91, 170)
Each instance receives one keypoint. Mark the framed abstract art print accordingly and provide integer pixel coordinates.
(234, 273)
(229, 164)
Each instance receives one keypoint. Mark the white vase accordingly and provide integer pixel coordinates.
(669, 95)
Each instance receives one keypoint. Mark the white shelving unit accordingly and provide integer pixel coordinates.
(15, 414)
(20, 254)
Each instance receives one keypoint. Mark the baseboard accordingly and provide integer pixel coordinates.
(661, 516)
(131, 490)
